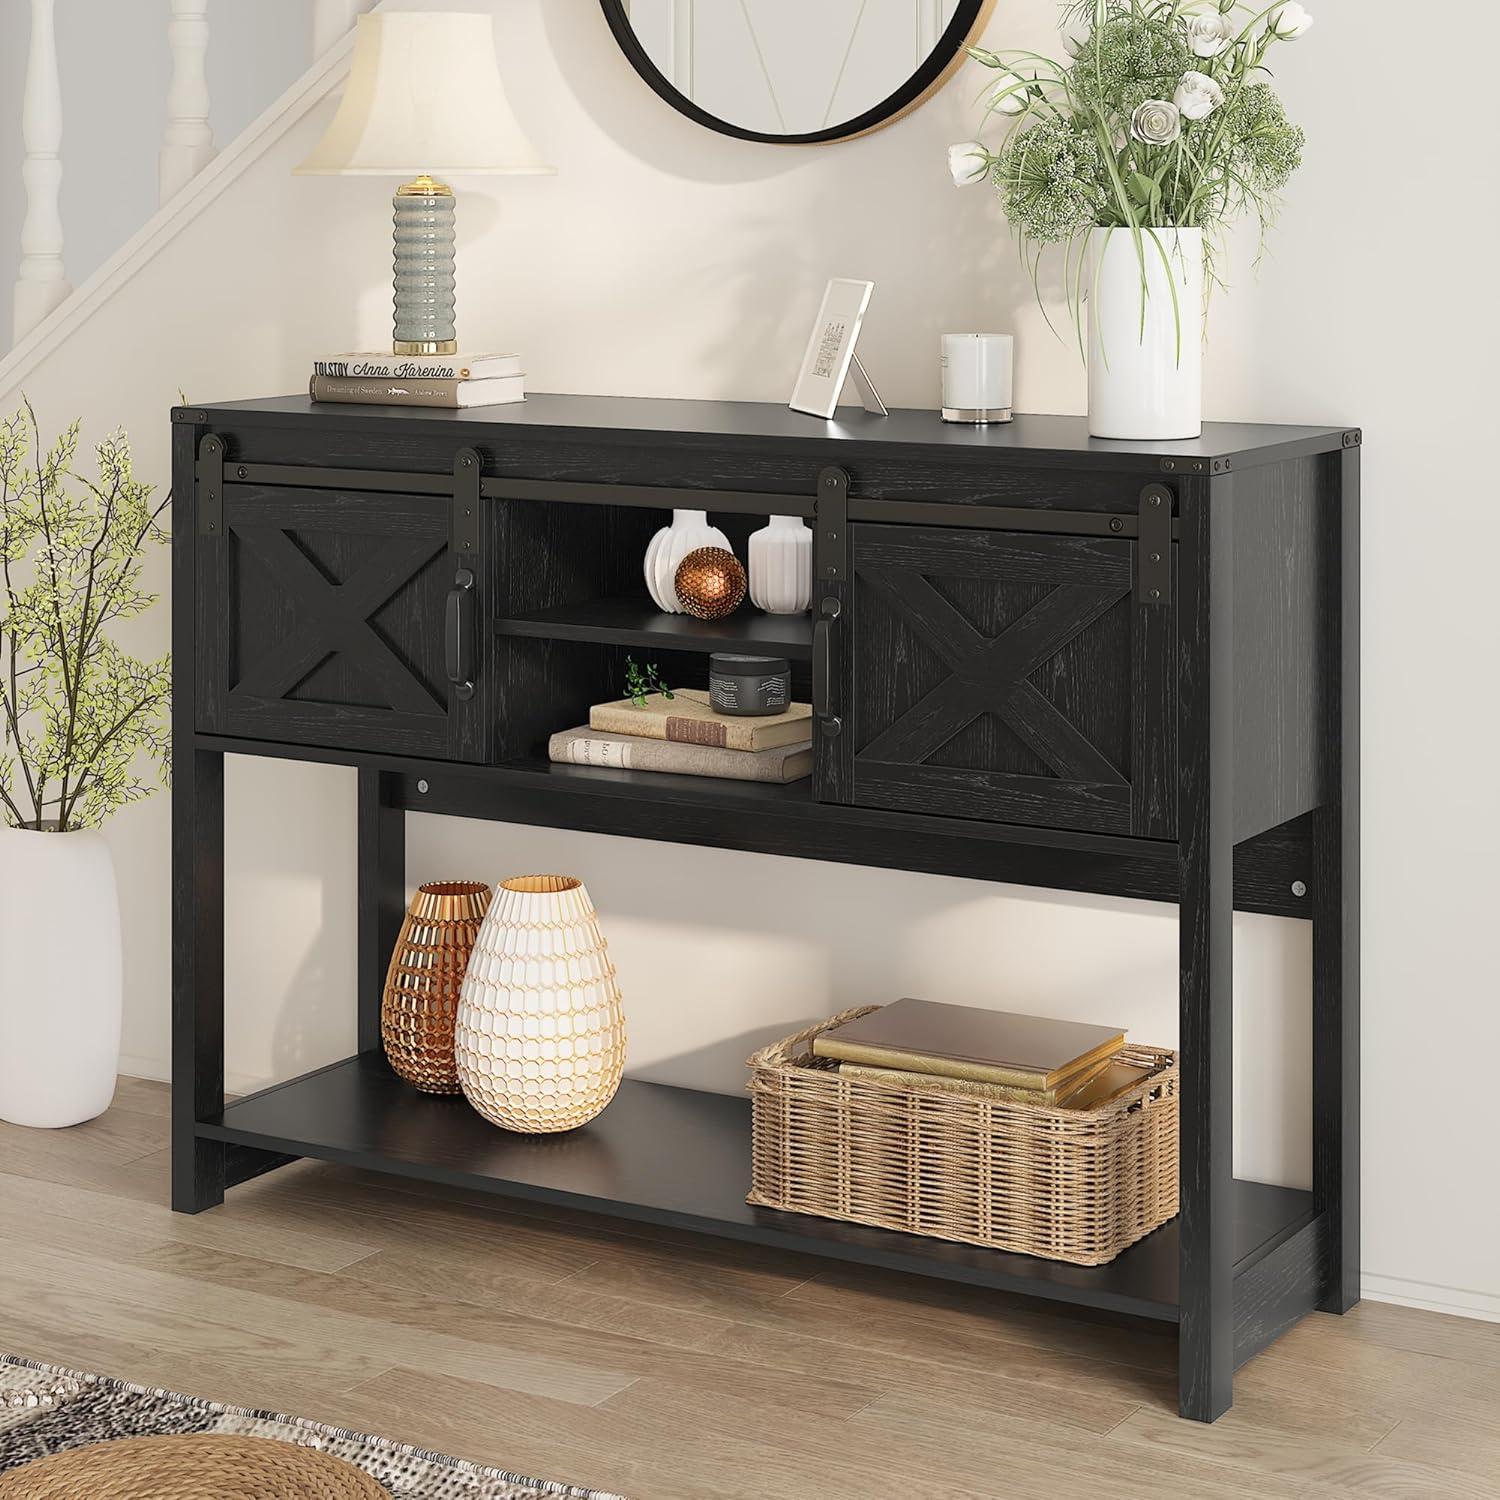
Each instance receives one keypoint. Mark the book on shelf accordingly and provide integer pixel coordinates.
(624, 752)
(1106, 1081)
(964, 1041)
(420, 366)
(688, 719)
(424, 392)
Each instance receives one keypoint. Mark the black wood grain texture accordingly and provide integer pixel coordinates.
(994, 701)
(1206, 749)
(1008, 676)
(679, 1157)
(1280, 679)
(633, 620)
(1336, 888)
(1274, 1290)
(198, 1170)
(321, 619)
(1045, 441)
(380, 901)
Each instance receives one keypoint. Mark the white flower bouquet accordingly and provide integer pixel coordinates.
(1161, 118)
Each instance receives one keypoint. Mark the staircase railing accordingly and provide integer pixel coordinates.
(187, 143)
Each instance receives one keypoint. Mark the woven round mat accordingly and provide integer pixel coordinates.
(190, 1467)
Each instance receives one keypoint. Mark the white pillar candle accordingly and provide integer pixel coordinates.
(977, 377)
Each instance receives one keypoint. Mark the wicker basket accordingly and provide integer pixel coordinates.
(1072, 1185)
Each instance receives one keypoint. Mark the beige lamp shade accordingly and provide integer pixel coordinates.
(424, 96)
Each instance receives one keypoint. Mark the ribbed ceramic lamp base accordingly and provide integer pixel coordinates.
(424, 269)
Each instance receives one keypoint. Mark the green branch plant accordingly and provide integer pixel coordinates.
(77, 713)
(643, 680)
(1161, 118)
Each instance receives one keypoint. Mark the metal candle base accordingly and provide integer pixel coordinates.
(977, 416)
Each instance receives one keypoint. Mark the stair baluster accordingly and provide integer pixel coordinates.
(41, 282)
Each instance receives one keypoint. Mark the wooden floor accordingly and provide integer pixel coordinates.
(669, 1367)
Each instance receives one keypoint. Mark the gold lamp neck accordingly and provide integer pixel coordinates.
(424, 186)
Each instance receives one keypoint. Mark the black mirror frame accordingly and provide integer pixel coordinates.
(940, 64)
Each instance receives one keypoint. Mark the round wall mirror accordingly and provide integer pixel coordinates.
(794, 71)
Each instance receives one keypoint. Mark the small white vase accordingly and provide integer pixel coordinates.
(540, 1037)
(61, 977)
(689, 531)
(781, 566)
(1145, 360)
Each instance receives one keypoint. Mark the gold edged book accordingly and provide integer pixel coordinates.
(687, 718)
(982, 1046)
(1104, 1084)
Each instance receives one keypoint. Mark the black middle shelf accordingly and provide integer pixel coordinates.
(633, 620)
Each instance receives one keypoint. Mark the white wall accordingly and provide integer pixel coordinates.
(114, 68)
(667, 261)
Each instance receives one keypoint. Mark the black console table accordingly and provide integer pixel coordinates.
(1033, 658)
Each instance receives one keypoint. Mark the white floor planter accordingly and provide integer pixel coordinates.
(1145, 382)
(61, 985)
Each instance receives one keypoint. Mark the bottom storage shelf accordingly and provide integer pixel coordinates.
(681, 1157)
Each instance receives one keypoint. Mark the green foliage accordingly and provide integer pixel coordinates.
(1160, 117)
(76, 711)
(643, 680)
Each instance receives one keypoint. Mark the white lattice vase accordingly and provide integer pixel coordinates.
(61, 977)
(689, 531)
(781, 566)
(540, 1041)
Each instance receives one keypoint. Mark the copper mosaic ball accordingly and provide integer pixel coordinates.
(710, 583)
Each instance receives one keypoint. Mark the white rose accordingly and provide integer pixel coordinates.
(1288, 22)
(1209, 35)
(1197, 96)
(1010, 94)
(1158, 122)
(969, 162)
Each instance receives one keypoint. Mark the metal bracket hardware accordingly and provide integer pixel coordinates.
(465, 526)
(831, 523)
(1353, 438)
(1196, 465)
(211, 485)
(1153, 562)
(188, 414)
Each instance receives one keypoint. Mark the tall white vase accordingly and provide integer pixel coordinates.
(61, 985)
(781, 566)
(540, 1039)
(1145, 360)
(689, 531)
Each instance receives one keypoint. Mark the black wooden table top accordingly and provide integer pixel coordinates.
(1027, 439)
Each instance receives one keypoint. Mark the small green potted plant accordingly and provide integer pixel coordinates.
(78, 716)
(1134, 155)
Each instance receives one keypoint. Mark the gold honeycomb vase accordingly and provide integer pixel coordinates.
(541, 1035)
(420, 1005)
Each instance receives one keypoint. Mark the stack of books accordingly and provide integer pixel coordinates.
(983, 1054)
(451, 380)
(684, 736)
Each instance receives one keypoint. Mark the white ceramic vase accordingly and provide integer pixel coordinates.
(61, 985)
(689, 531)
(540, 1039)
(781, 566)
(1145, 361)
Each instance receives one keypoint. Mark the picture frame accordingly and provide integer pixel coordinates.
(831, 356)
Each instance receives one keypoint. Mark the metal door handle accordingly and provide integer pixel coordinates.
(458, 635)
(822, 666)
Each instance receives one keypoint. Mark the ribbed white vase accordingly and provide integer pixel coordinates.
(781, 566)
(1145, 357)
(61, 977)
(689, 531)
(540, 1039)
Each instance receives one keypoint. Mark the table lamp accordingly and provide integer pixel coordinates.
(424, 101)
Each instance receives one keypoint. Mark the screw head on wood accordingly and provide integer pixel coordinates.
(1299, 888)
(1156, 557)
(242, 471)
(1156, 593)
(1154, 501)
(1169, 464)
(422, 785)
(1117, 524)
